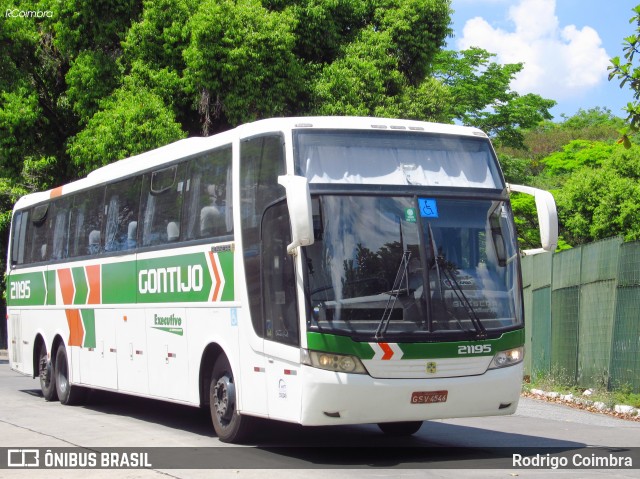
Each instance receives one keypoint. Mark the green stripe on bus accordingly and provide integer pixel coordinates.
(51, 287)
(89, 323)
(119, 283)
(226, 263)
(181, 278)
(81, 286)
(345, 345)
(27, 289)
(332, 343)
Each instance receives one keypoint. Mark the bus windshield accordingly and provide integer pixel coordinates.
(412, 267)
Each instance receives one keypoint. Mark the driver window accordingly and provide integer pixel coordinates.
(278, 278)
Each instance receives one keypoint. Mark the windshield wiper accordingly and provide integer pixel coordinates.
(481, 332)
(396, 291)
(445, 268)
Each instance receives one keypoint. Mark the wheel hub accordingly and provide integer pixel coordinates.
(224, 398)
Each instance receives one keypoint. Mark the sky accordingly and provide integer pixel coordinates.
(565, 46)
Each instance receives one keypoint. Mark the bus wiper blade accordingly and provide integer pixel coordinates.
(444, 268)
(481, 332)
(396, 291)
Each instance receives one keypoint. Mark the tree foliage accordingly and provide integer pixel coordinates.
(481, 95)
(93, 81)
(203, 66)
(591, 175)
(597, 203)
(627, 71)
(130, 122)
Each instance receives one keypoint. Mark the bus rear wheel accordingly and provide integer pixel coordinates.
(230, 426)
(67, 393)
(46, 371)
(400, 428)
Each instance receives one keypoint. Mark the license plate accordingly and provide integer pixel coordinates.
(429, 397)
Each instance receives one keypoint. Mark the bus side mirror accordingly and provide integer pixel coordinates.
(547, 215)
(300, 212)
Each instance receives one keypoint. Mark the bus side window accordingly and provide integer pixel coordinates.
(38, 234)
(85, 222)
(20, 222)
(209, 205)
(60, 229)
(262, 160)
(162, 198)
(278, 278)
(122, 207)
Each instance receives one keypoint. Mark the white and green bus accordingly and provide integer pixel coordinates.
(319, 271)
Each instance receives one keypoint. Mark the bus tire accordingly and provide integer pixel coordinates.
(67, 393)
(400, 428)
(46, 372)
(230, 426)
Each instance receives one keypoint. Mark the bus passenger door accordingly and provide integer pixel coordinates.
(280, 313)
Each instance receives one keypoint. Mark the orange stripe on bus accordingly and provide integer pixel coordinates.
(56, 192)
(76, 330)
(93, 277)
(216, 274)
(66, 285)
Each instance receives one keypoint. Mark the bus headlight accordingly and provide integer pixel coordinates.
(340, 363)
(507, 358)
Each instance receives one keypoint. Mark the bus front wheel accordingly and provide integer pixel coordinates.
(230, 426)
(400, 428)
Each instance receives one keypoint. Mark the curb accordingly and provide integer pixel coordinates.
(620, 411)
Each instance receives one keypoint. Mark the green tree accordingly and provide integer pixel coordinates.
(577, 154)
(131, 122)
(240, 62)
(85, 85)
(91, 77)
(627, 72)
(602, 201)
(553, 154)
(481, 95)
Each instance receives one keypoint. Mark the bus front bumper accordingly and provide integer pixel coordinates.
(331, 398)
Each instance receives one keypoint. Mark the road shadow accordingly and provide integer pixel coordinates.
(281, 445)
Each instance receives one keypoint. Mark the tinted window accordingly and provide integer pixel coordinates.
(261, 162)
(209, 208)
(85, 223)
(163, 195)
(121, 210)
(37, 236)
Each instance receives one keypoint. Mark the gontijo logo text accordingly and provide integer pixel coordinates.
(171, 280)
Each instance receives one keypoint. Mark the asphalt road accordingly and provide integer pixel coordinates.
(471, 447)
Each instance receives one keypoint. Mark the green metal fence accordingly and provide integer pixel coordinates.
(582, 312)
